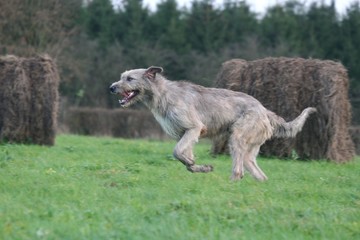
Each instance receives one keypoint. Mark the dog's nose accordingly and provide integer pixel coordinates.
(112, 89)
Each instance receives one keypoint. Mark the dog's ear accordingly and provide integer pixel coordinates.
(152, 71)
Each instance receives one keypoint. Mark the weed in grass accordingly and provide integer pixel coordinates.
(5, 157)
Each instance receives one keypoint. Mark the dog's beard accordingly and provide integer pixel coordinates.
(129, 97)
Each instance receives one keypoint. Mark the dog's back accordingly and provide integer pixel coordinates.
(184, 103)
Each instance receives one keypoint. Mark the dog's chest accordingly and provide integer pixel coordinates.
(169, 125)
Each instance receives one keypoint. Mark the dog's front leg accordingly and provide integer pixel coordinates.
(184, 151)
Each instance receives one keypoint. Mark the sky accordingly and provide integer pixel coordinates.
(258, 6)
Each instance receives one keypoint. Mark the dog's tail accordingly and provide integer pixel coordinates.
(289, 129)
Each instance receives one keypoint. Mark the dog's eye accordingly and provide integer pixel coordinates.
(129, 79)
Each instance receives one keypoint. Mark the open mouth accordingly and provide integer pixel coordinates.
(128, 95)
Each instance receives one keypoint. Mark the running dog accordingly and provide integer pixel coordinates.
(187, 112)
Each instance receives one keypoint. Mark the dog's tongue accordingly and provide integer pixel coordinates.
(127, 96)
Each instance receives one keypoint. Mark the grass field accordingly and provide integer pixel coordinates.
(103, 188)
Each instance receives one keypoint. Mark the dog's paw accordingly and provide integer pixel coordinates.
(236, 177)
(208, 168)
(200, 168)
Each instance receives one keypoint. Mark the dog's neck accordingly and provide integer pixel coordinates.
(154, 97)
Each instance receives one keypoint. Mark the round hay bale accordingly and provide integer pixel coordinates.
(288, 85)
(355, 135)
(29, 99)
(15, 97)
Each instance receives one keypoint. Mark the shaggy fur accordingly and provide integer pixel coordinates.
(188, 112)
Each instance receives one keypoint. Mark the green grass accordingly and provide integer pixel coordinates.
(103, 188)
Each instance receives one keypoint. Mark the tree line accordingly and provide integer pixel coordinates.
(93, 41)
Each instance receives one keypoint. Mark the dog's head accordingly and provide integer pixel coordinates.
(133, 84)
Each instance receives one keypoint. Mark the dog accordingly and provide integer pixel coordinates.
(187, 112)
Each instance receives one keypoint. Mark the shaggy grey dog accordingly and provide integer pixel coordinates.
(188, 112)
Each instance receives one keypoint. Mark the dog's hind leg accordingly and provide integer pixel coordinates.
(248, 133)
(251, 164)
(184, 151)
(236, 147)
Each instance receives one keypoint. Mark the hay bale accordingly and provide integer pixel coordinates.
(287, 86)
(355, 135)
(28, 99)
